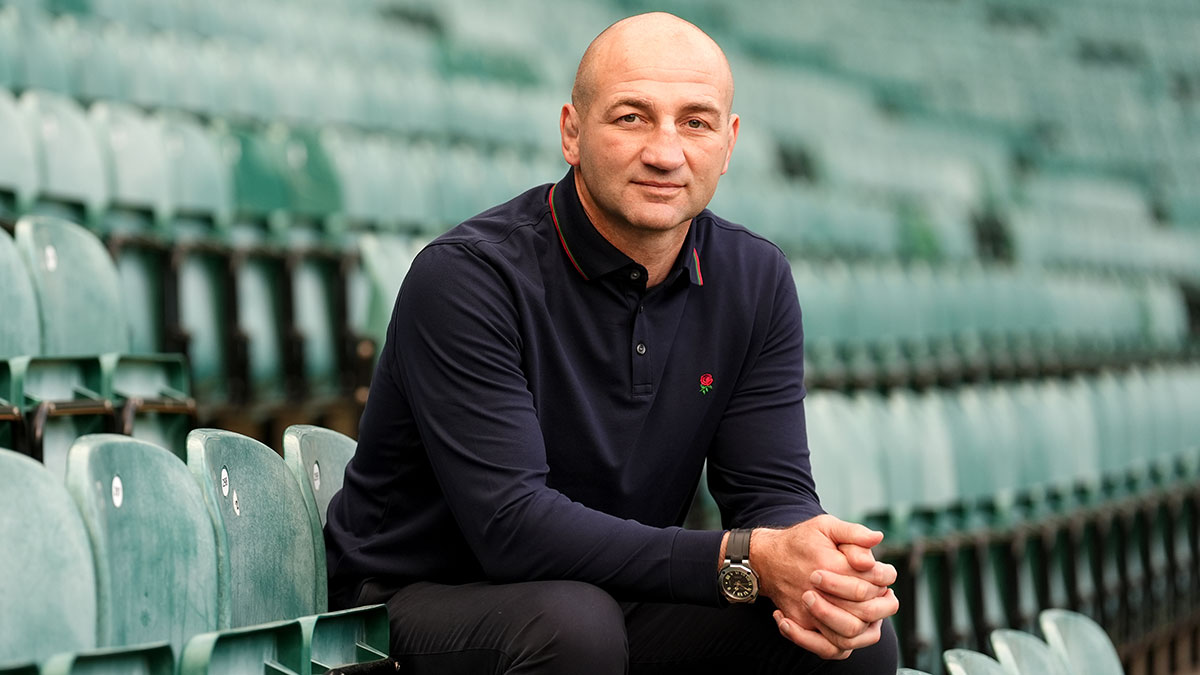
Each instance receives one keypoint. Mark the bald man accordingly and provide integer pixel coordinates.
(558, 371)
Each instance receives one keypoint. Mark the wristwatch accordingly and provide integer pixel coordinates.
(736, 578)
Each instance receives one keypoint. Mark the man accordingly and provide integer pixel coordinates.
(556, 373)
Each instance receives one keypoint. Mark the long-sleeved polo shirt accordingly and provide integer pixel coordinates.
(539, 413)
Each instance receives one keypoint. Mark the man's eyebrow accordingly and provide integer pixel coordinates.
(638, 103)
(634, 102)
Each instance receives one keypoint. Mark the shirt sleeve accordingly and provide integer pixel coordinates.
(758, 465)
(458, 356)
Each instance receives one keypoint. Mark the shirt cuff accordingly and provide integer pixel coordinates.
(694, 567)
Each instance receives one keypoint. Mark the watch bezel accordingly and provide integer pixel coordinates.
(738, 569)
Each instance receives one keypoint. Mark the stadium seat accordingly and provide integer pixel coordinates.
(72, 179)
(1081, 642)
(18, 161)
(152, 540)
(82, 313)
(268, 570)
(1020, 652)
(967, 662)
(318, 458)
(49, 589)
(45, 402)
(910, 671)
(270, 551)
(201, 317)
(138, 214)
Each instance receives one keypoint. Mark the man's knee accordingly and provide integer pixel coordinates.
(568, 622)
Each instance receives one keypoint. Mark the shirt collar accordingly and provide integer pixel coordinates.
(589, 252)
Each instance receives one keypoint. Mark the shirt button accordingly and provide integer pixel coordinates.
(641, 348)
(635, 275)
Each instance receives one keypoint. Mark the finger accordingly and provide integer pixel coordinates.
(845, 586)
(842, 532)
(841, 624)
(870, 611)
(861, 559)
(809, 639)
(865, 635)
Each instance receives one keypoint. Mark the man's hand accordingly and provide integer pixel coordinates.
(831, 593)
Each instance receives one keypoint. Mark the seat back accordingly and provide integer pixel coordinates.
(46, 576)
(968, 662)
(77, 287)
(1081, 642)
(199, 181)
(20, 331)
(318, 458)
(266, 548)
(155, 549)
(1020, 652)
(134, 157)
(71, 170)
(18, 158)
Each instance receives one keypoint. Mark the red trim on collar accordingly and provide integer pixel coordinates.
(696, 259)
(561, 239)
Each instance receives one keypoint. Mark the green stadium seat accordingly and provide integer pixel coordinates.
(72, 179)
(152, 540)
(271, 552)
(82, 314)
(910, 671)
(967, 662)
(202, 314)
(1020, 652)
(43, 55)
(9, 47)
(318, 458)
(1081, 642)
(49, 589)
(265, 541)
(132, 660)
(275, 648)
(139, 211)
(45, 402)
(18, 161)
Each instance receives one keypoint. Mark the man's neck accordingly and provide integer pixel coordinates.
(656, 250)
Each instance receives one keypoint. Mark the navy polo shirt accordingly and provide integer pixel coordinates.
(539, 413)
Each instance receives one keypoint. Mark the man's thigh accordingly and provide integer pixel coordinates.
(544, 627)
(670, 638)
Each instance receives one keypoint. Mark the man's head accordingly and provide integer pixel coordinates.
(650, 125)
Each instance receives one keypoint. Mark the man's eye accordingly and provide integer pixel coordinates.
(696, 124)
(629, 119)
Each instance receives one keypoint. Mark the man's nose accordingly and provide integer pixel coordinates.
(664, 148)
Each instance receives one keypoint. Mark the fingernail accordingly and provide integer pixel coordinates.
(815, 578)
(809, 598)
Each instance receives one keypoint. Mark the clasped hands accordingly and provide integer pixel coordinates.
(830, 592)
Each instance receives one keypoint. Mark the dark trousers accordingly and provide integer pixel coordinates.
(573, 628)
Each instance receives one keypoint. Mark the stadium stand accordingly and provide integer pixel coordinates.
(991, 208)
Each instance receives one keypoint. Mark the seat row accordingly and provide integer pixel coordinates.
(142, 563)
(408, 93)
(890, 324)
(1074, 645)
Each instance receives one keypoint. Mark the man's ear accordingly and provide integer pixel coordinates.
(735, 123)
(568, 128)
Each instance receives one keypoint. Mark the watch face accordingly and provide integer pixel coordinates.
(738, 584)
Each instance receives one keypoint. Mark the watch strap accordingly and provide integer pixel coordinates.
(737, 549)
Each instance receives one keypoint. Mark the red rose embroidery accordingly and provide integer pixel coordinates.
(706, 383)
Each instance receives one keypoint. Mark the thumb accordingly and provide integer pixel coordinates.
(842, 532)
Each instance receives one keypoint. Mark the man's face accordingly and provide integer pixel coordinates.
(653, 139)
